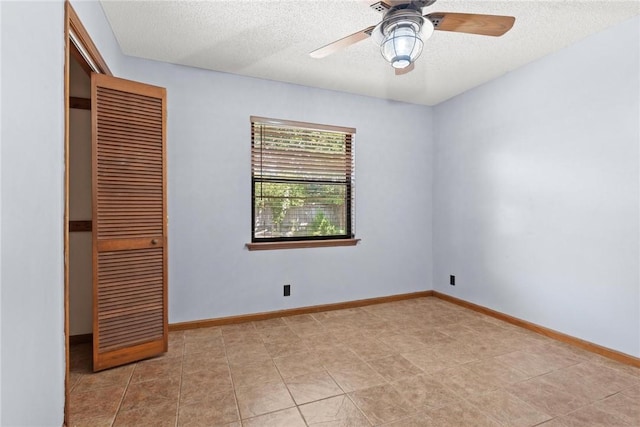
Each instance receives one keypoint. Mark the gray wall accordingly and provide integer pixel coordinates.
(32, 162)
(1, 383)
(536, 191)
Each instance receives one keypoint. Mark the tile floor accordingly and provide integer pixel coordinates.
(420, 362)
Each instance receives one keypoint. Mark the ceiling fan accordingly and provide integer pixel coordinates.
(403, 29)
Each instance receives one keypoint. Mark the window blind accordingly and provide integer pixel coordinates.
(303, 180)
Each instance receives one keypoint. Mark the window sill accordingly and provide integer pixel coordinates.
(266, 246)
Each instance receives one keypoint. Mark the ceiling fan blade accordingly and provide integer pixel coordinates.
(405, 70)
(486, 25)
(342, 43)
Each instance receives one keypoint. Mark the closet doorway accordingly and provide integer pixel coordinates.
(115, 213)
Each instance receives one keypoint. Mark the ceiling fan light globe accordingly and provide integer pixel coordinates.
(401, 62)
(402, 45)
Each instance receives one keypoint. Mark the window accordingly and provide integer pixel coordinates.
(302, 181)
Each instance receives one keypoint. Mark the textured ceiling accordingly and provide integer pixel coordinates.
(271, 39)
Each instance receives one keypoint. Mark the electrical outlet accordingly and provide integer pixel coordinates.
(452, 280)
(287, 290)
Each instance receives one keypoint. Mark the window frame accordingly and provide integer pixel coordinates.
(284, 242)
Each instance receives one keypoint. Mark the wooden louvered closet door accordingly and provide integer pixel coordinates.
(130, 221)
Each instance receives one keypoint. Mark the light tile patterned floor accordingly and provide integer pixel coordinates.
(420, 362)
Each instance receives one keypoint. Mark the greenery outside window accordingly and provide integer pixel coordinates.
(302, 181)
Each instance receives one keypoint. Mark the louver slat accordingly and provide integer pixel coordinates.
(129, 187)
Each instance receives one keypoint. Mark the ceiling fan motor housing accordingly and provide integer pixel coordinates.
(381, 6)
(418, 4)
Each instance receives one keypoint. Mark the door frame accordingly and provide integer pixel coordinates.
(79, 44)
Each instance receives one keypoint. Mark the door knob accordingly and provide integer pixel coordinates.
(154, 241)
